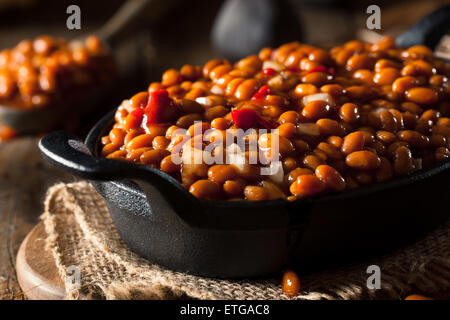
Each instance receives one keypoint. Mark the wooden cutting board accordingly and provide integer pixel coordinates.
(36, 269)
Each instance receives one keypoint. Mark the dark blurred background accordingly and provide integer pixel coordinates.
(180, 31)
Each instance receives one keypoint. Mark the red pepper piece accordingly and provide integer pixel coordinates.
(245, 118)
(318, 69)
(330, 70)
(138, 113)
(269, 72)
(262, 93)
(158, 102)
(248, 118)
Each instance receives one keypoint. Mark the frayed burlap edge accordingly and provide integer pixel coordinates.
(80, 233)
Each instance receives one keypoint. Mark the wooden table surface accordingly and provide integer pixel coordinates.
(24, 178)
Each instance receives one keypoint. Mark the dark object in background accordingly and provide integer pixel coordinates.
(242, 28)
(427, 31)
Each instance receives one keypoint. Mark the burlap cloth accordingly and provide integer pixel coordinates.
(81, 233)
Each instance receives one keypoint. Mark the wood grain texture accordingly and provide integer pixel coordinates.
(36, 270)
(24, 179)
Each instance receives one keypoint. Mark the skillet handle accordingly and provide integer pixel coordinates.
(427, 31)
(68, 152)
(168, 200)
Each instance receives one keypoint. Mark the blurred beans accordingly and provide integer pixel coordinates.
(422, 96)
(402, 84)
(51, 71)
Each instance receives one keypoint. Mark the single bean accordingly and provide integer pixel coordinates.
(403, 161)
(330, 127)
(363, 160)
(332, 178)
(221, 172)
(312, 161)
(153, 156)
(168, 165)
(290, 283)
(353, 142)
(306, 186)
(422, 96)
(204, 189)
(349, 112)
(255, 193)
(385, 171)
(414, 138)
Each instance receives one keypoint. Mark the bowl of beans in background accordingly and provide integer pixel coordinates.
(43, 81)
(360, 166)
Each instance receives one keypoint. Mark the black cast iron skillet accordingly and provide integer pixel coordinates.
(125, 21)
(161, 221)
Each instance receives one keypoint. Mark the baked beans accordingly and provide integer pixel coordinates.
(341, 118)
(44, 71)
(290, 283)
